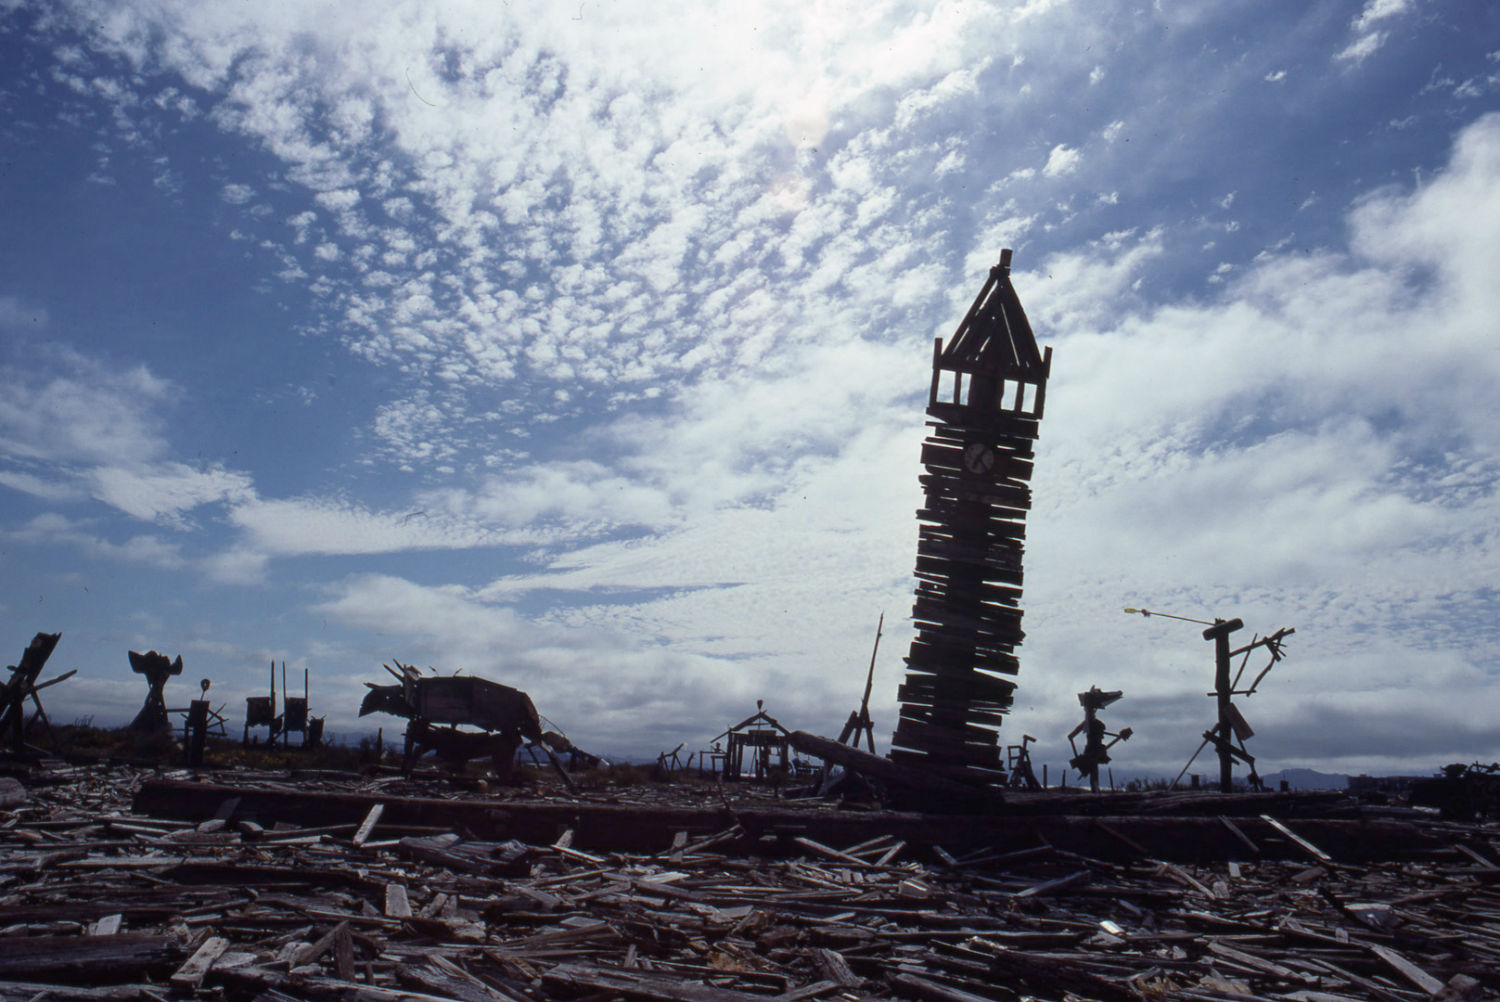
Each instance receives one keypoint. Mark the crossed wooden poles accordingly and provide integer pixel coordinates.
(22, 686)
(1229, 734)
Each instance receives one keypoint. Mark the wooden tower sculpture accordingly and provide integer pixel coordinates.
(989, 384)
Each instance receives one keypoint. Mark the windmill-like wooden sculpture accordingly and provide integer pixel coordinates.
(989, 386)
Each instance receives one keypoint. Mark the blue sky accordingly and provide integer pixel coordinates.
(585, 348)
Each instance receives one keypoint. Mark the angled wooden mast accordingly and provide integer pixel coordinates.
(989, 386)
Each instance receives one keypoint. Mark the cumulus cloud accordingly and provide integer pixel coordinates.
(1062, 160)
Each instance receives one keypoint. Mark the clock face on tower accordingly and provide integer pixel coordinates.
(979, 458)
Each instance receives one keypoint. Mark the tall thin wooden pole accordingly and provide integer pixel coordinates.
(1219, 634)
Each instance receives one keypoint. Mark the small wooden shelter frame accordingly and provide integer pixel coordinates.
(763, 737)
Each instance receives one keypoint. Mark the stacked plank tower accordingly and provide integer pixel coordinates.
(989, 385)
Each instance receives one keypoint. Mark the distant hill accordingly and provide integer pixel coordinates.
(1306, 779)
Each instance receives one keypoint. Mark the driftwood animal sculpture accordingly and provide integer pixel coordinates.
(437, 705)
(989, 385)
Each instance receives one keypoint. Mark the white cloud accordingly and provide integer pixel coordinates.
(237, 566)
(319, 526)
(80, 409)
(1062, 160)
(1361, 48)
(165, 491)
(1369, 39)
(41, 487)
(703, 157)
(1380, 10)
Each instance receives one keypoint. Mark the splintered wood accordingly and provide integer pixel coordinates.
(978, 460)
(97, 902)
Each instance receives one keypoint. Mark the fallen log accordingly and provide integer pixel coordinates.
(773, 830)
(919, 781)
(89, 960)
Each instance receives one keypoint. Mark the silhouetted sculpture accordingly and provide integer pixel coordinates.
(1095, 748)
(157, 669)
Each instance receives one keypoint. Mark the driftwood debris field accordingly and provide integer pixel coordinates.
(124, 884)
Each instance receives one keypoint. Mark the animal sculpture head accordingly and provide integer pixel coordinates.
(385, 699)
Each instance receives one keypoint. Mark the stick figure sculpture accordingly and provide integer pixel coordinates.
(1095, 746)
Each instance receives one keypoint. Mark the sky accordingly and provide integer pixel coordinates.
(585, 348)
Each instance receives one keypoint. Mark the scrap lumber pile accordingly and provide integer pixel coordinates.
(99, 901)
(984, 408)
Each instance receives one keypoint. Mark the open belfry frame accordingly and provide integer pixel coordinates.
(989, 387)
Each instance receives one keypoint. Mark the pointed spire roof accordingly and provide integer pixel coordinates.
(995, 337)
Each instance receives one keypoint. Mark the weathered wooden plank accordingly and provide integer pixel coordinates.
(1408, 970)
(1001, 424)
(367, 826)
(193, 971)
(1234, 830)
(89, 959)
(1298, 839)
(1074, 879)
(397, 904)
(31, 991)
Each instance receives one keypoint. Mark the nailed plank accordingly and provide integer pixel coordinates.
(372, 818)
(1073, 879)
(829, 851)
(1298, 839)
(1476, 857)
(1408, 970)
(324, 943)
(192, 973)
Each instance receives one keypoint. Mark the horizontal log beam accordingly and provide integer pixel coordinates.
(1186, 829)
